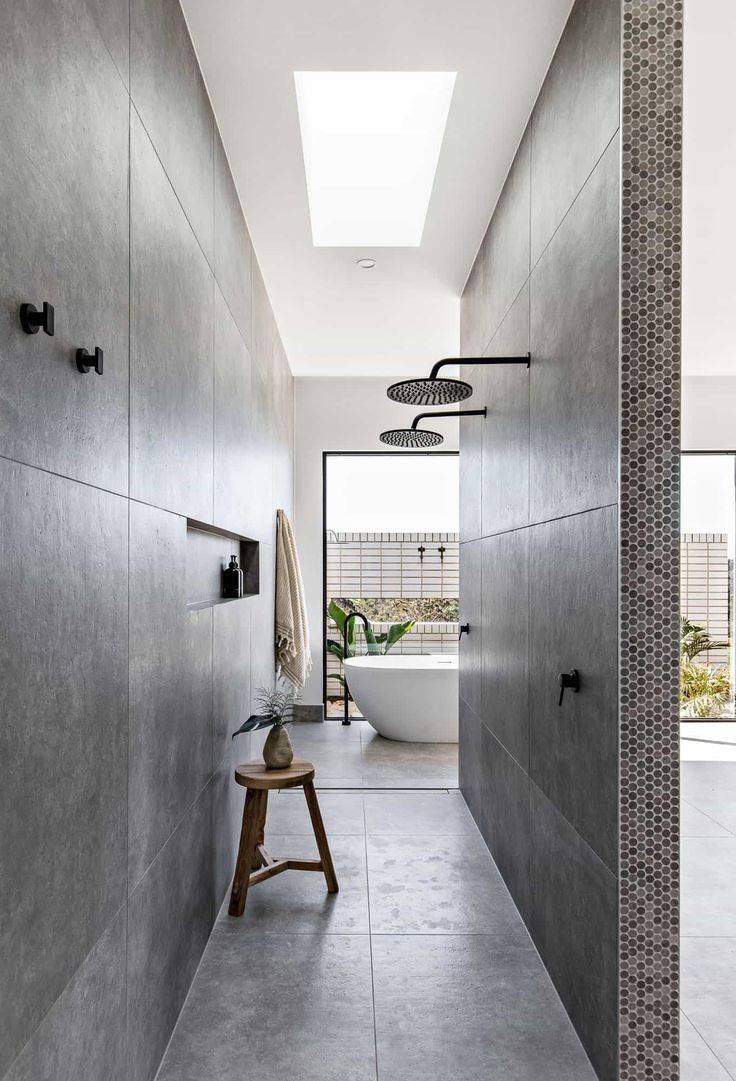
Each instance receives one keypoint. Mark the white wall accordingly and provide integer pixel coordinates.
(335, 414)
(709, 183)
(709, 413)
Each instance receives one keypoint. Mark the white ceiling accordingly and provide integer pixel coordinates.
(334, 318)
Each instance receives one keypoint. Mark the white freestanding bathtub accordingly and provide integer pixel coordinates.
(413, 698)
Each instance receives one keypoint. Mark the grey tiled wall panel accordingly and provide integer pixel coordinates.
(471, 644)
(55, 161)
(171, 345)
(573, 921)
(169, 94)
(112, 18)
(233, 495)
(576, 114)
(232, 246)
(504, 390)
(170, 914)
(573, 586)
(471, 439)
(504, 617)
(574, 345)
(170, 687)
(63, 740)
(83, 1035)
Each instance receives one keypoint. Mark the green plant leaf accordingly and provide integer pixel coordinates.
(339, 615)
(254, 722)
(336, 675)
(397, 631)
(335, 648)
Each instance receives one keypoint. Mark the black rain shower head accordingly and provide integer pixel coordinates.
(434, 391)
(423, 437)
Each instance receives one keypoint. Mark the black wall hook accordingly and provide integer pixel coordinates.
(464, 629)
(86, 361)
(442, 551)
(32, 320)
(568, 681)
(421, 549)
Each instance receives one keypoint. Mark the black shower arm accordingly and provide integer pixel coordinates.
(478, 360)
(449, 413)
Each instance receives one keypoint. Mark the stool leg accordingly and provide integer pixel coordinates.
(321, 838)
(261, 835)
(248, 835)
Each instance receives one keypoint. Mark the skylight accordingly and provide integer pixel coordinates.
(371, 142)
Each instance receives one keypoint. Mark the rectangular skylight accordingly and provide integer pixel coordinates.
(371, 142)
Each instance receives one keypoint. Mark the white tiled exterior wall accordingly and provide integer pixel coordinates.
(390, 565)
(705, 583)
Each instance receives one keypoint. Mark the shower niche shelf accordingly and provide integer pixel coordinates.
(208, 552)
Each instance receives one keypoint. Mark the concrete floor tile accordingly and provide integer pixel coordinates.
(292, 1007)
(437, 885)
(476, 1008)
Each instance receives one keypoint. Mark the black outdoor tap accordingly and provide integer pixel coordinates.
(345, 629)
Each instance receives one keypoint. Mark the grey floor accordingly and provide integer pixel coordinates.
(708, 905)
(419, 969)
(355, 756)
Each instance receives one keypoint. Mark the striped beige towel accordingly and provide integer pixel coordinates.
(293, 656)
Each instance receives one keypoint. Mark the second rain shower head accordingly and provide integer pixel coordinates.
(423, 437)
(436, 391)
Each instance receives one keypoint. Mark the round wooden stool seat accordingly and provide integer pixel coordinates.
(254, 864)
(258, 775)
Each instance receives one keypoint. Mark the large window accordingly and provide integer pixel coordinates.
(708, 527)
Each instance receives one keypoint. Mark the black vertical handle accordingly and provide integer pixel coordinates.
(464, 629)
(568, 681)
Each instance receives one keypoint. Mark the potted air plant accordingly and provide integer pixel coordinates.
(275, 711)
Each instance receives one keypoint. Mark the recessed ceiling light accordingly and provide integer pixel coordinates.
(371, 142)
(366, 264)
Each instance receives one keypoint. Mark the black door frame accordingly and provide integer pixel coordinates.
(355, 454)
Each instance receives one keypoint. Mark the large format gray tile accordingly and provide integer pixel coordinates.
(576, 113)
(505, 817)
(233, 249)
(505, 248)
(170, 914)
(573, 920)
(330, 759)
(504, 390)
(342, 813)
(282, 448)
(697, 1061)
(296, 1007)
(408, 764)
(471, 781)
(708, 991)
(170, 752)
(437, 886)
(574, 347)
(574, 611)
(228, 799)
(418, 813)
(262, 634)
(232, 423)
(708, 886)
(112, 18)
(83, 1035)
(471, 440)
(260, 479)
(171, 344)
(297, 902)
(470, 1007)
(471, 644)
(168, 91)
(505, 634)
(230, 678)
(64, 224)
(63, 740)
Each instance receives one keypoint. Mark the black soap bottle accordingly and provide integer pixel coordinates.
(232, 580)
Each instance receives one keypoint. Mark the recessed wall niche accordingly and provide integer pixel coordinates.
(208, 553)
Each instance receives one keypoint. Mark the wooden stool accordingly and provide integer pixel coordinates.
(254, 864)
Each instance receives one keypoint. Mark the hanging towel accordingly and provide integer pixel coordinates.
(293, 657)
